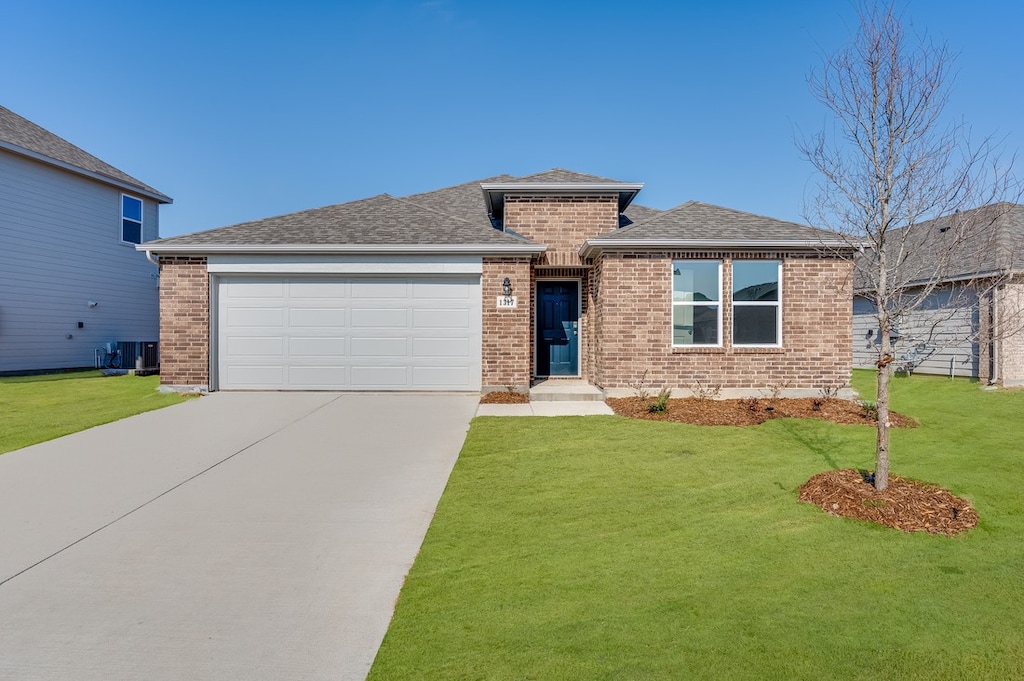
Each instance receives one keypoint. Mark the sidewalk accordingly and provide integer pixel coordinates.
(546, 409)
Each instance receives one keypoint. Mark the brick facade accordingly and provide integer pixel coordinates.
(634, 327)
(507, 359)
(184, 321)
(563, 223)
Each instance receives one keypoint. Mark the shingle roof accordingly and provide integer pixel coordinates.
(463, 200)
(696, 221)
(381, 220)
(979, 241)
(560, 175)
(635, 213)
(18, 133)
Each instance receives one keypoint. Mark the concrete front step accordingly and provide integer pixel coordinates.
(565, 390)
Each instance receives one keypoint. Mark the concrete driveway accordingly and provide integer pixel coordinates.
(236, 536)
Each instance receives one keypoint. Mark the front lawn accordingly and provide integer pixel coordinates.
(39, 408)
(608, 548)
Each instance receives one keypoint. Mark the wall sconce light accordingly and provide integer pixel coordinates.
(93, 303)
(506, 287)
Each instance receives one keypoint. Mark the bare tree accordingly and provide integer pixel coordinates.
(890, 165)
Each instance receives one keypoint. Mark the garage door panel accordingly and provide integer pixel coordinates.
(380, 377)
(256, 316)
(241, 346)
(348, 333)
(440, 347)
(317, 317)
(380, 347)
(250, 376)
(381, 318)
(316, 347)
(317, 289)
(257, 288)
(317, 377)
(427, 290)
(380, 289)
(440, 378)
(441, 319)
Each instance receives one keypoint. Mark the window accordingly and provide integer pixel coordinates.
(131, 219)
(696, 302)
(756, 304)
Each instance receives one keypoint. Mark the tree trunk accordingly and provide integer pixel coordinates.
(882, 442)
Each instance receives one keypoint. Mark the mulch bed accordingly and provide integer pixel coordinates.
(504, 397)
(751, 411)
(906, 505)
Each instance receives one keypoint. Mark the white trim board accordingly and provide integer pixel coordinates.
(345, 264)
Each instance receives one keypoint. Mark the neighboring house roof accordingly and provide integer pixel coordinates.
(978, 243)
(381, 223)
(701, 225)
(21, 136)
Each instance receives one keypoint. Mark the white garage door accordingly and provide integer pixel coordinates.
(348, 333)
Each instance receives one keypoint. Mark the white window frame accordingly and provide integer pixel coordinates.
(140, 221)
(720, 303)
(754, 303)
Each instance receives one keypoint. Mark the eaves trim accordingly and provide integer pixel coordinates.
(99, 177)
(591, 246)
(340, 249)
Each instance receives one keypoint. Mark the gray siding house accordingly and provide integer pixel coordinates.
(70, 277)
(970, 324)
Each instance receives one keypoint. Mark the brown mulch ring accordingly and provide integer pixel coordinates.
(751, 411)
(504, 397)
(906, 505)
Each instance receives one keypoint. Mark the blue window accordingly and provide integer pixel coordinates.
(131, 219)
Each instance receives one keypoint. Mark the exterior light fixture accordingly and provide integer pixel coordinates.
(506, 287)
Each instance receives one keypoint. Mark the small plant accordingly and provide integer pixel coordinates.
(817, 403)
(640, 386)
(829, 392)
(660, 403)
(750, 403)
(869, 410)
(710, 391)
(775, 390)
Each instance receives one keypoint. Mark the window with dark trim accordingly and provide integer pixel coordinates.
(756, 303)
(131, 219)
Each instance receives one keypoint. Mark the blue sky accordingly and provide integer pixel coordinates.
(243, 110)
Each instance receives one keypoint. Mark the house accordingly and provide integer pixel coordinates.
(966, 268)
(501, 282)
(70, 277)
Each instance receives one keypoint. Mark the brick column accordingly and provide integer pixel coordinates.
(507, 333)
(184, 322)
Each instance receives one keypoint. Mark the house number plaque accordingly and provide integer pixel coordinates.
(507, 302)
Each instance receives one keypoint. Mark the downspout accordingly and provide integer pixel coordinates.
(153, 259)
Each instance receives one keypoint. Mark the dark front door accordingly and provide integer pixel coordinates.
(558, 321)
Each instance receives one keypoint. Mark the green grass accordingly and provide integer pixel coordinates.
(38, 408)
(604, 548)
